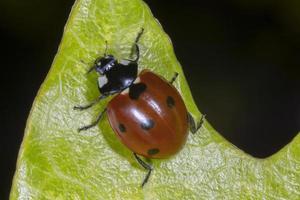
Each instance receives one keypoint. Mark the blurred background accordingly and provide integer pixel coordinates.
(240, 57)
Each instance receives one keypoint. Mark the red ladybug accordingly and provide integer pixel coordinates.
(147, 113)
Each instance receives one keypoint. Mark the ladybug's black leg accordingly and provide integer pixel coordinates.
(94, 123)
(90, 104)
(137, 53)
(145, 166)
(173, 78)
(139, 35)
(193, 126)
(137, 49)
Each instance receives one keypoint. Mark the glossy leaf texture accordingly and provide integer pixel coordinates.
(57, 162)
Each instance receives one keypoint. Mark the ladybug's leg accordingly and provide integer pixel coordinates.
(90, 104)
(94, 123)
(137, 49)
(193, 126)
(173, 78)
(145, 166)
(137, 53)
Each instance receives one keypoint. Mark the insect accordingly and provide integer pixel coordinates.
(147, 113)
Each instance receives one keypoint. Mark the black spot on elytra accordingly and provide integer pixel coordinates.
(148, 124)
(152, 152)
(170, 102)
(122, 128)
(136, 90)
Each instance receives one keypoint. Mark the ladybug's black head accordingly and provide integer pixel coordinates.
(115, 76)
(104, 64)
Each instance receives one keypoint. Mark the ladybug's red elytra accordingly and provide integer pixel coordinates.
(147, 112)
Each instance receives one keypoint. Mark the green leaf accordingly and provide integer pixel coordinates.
(57, 162)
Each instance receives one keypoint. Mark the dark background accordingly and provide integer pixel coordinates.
(241, 59)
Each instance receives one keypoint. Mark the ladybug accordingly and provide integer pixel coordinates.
(147, 113)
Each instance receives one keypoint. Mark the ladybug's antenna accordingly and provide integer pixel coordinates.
(91, 68)
(105, 52)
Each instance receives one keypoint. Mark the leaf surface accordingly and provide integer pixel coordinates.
(57, 162)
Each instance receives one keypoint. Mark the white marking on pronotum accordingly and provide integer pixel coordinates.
(102, 80)
(137, 80)
(126, 91)
(124, 62)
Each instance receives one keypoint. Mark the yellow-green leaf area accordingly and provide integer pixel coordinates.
(57, 162)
